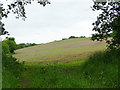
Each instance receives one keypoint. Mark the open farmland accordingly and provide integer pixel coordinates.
(59, 52)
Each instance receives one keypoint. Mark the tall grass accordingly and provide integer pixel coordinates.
(99, 71)
(11, 72)
(9, 80)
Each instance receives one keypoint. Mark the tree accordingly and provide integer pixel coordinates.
(17, 8)
(5, 48)
(107, 22)
(11, 43)
(72, 37)
(11, 38)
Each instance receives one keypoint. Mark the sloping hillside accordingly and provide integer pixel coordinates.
(63, 51)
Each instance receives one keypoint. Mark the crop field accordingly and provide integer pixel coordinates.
(60, 52)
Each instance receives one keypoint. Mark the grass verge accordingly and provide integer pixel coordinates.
(99, 71)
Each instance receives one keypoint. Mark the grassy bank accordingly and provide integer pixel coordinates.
(99, 71)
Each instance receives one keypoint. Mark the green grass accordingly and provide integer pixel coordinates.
(99, 71)
(47, 76)
(74, 63)
(9, 80)
(11, 72)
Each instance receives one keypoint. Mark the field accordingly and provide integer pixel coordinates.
(59, 52)
(73, 63)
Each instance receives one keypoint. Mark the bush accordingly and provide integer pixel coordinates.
(23, 45)
(82, 37)
(11, 38)
(12, 70)
(11, 44)
(31, 44)
(5, 48)
(72, 37)
(64, 39)
(11, 67)
(9, 62)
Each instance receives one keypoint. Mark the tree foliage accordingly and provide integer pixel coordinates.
(11, 43)
(107, 22)
(72, 37)
(17, 7)
(5, 48)
(23, 45)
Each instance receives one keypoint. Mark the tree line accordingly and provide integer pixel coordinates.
(72, 37)
(10, 45)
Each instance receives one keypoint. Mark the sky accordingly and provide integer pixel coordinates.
(60, 19)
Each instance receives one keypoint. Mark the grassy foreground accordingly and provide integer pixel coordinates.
(64, 64)
(99, 71)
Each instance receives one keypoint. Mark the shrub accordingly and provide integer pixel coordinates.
(12, 70)
(31, 44)
(11, 39)
(23, 45)
(64, 39)
(11, 67)
(5, 48)
(72, 37)
(9, 62)
(82, 37)
(11, 44)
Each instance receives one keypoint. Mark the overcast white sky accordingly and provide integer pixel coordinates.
(60, 19)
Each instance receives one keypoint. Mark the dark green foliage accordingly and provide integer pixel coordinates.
(11, 67)
(107, 57)
(19, 46)
(72, 37)
(107, 22)
(11, 73)
(23, 45)
(5, 48)
(82, 37)
(64, 39)
(76, 37)
(11, 44)
(116, 33)
(11, 64)
(30, 44)
(7, 59)
(11, 38)
(102, 68)
(111, 35)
